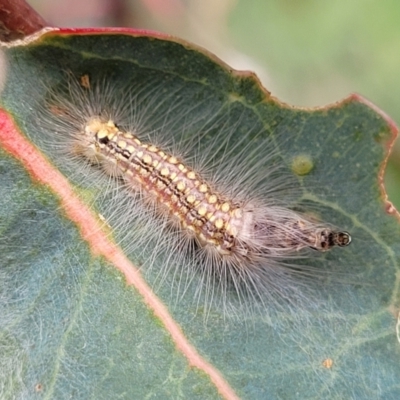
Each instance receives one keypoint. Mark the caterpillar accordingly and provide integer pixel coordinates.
(221, 215)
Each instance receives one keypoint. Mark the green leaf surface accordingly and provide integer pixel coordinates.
(70, 326)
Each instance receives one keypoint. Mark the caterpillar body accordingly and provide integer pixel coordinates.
(219, 216)
(231, 230)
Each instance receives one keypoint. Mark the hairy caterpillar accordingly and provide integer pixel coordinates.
(222, 215)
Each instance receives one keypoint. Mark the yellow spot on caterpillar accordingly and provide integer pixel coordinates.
(219, 223)
(225, 207)
(181, 186)
(122, 144)
(203, 188)
(164, 172)
(173, 160)
(191, 175)
(191, 199)
(147, 159)
(212, 199)
(202, 211)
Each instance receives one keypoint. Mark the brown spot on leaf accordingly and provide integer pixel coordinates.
(327, 363)
(38, 387)
(85, 81)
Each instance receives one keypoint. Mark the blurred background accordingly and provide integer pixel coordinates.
(307, 53)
